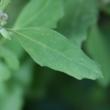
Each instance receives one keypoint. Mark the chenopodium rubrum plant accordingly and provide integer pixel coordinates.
(52, 33)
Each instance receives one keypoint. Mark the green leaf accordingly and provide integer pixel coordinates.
(40, 13)
(9, 57)
(79, 16)
(51, 49)
(97, 46)
(24, 75)
(4, 72)
(13, 99)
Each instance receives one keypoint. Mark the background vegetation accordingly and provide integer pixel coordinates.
(54, 55)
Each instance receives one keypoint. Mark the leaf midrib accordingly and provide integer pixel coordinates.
(58, 52)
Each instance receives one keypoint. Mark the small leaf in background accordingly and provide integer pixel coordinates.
(24, 75)
(13, 99)
(44, 13)
(51, 49)
(9, 58)
(79, 16)
(97, 45)
(4, 72)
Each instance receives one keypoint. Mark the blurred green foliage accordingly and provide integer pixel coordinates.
(54, 55)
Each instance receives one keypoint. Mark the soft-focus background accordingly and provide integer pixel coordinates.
(52, 90)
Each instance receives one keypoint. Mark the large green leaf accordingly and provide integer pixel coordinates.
(40, 13)
(51, 49)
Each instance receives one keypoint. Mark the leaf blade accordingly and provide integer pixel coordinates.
(41, 13)
(51, 49)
